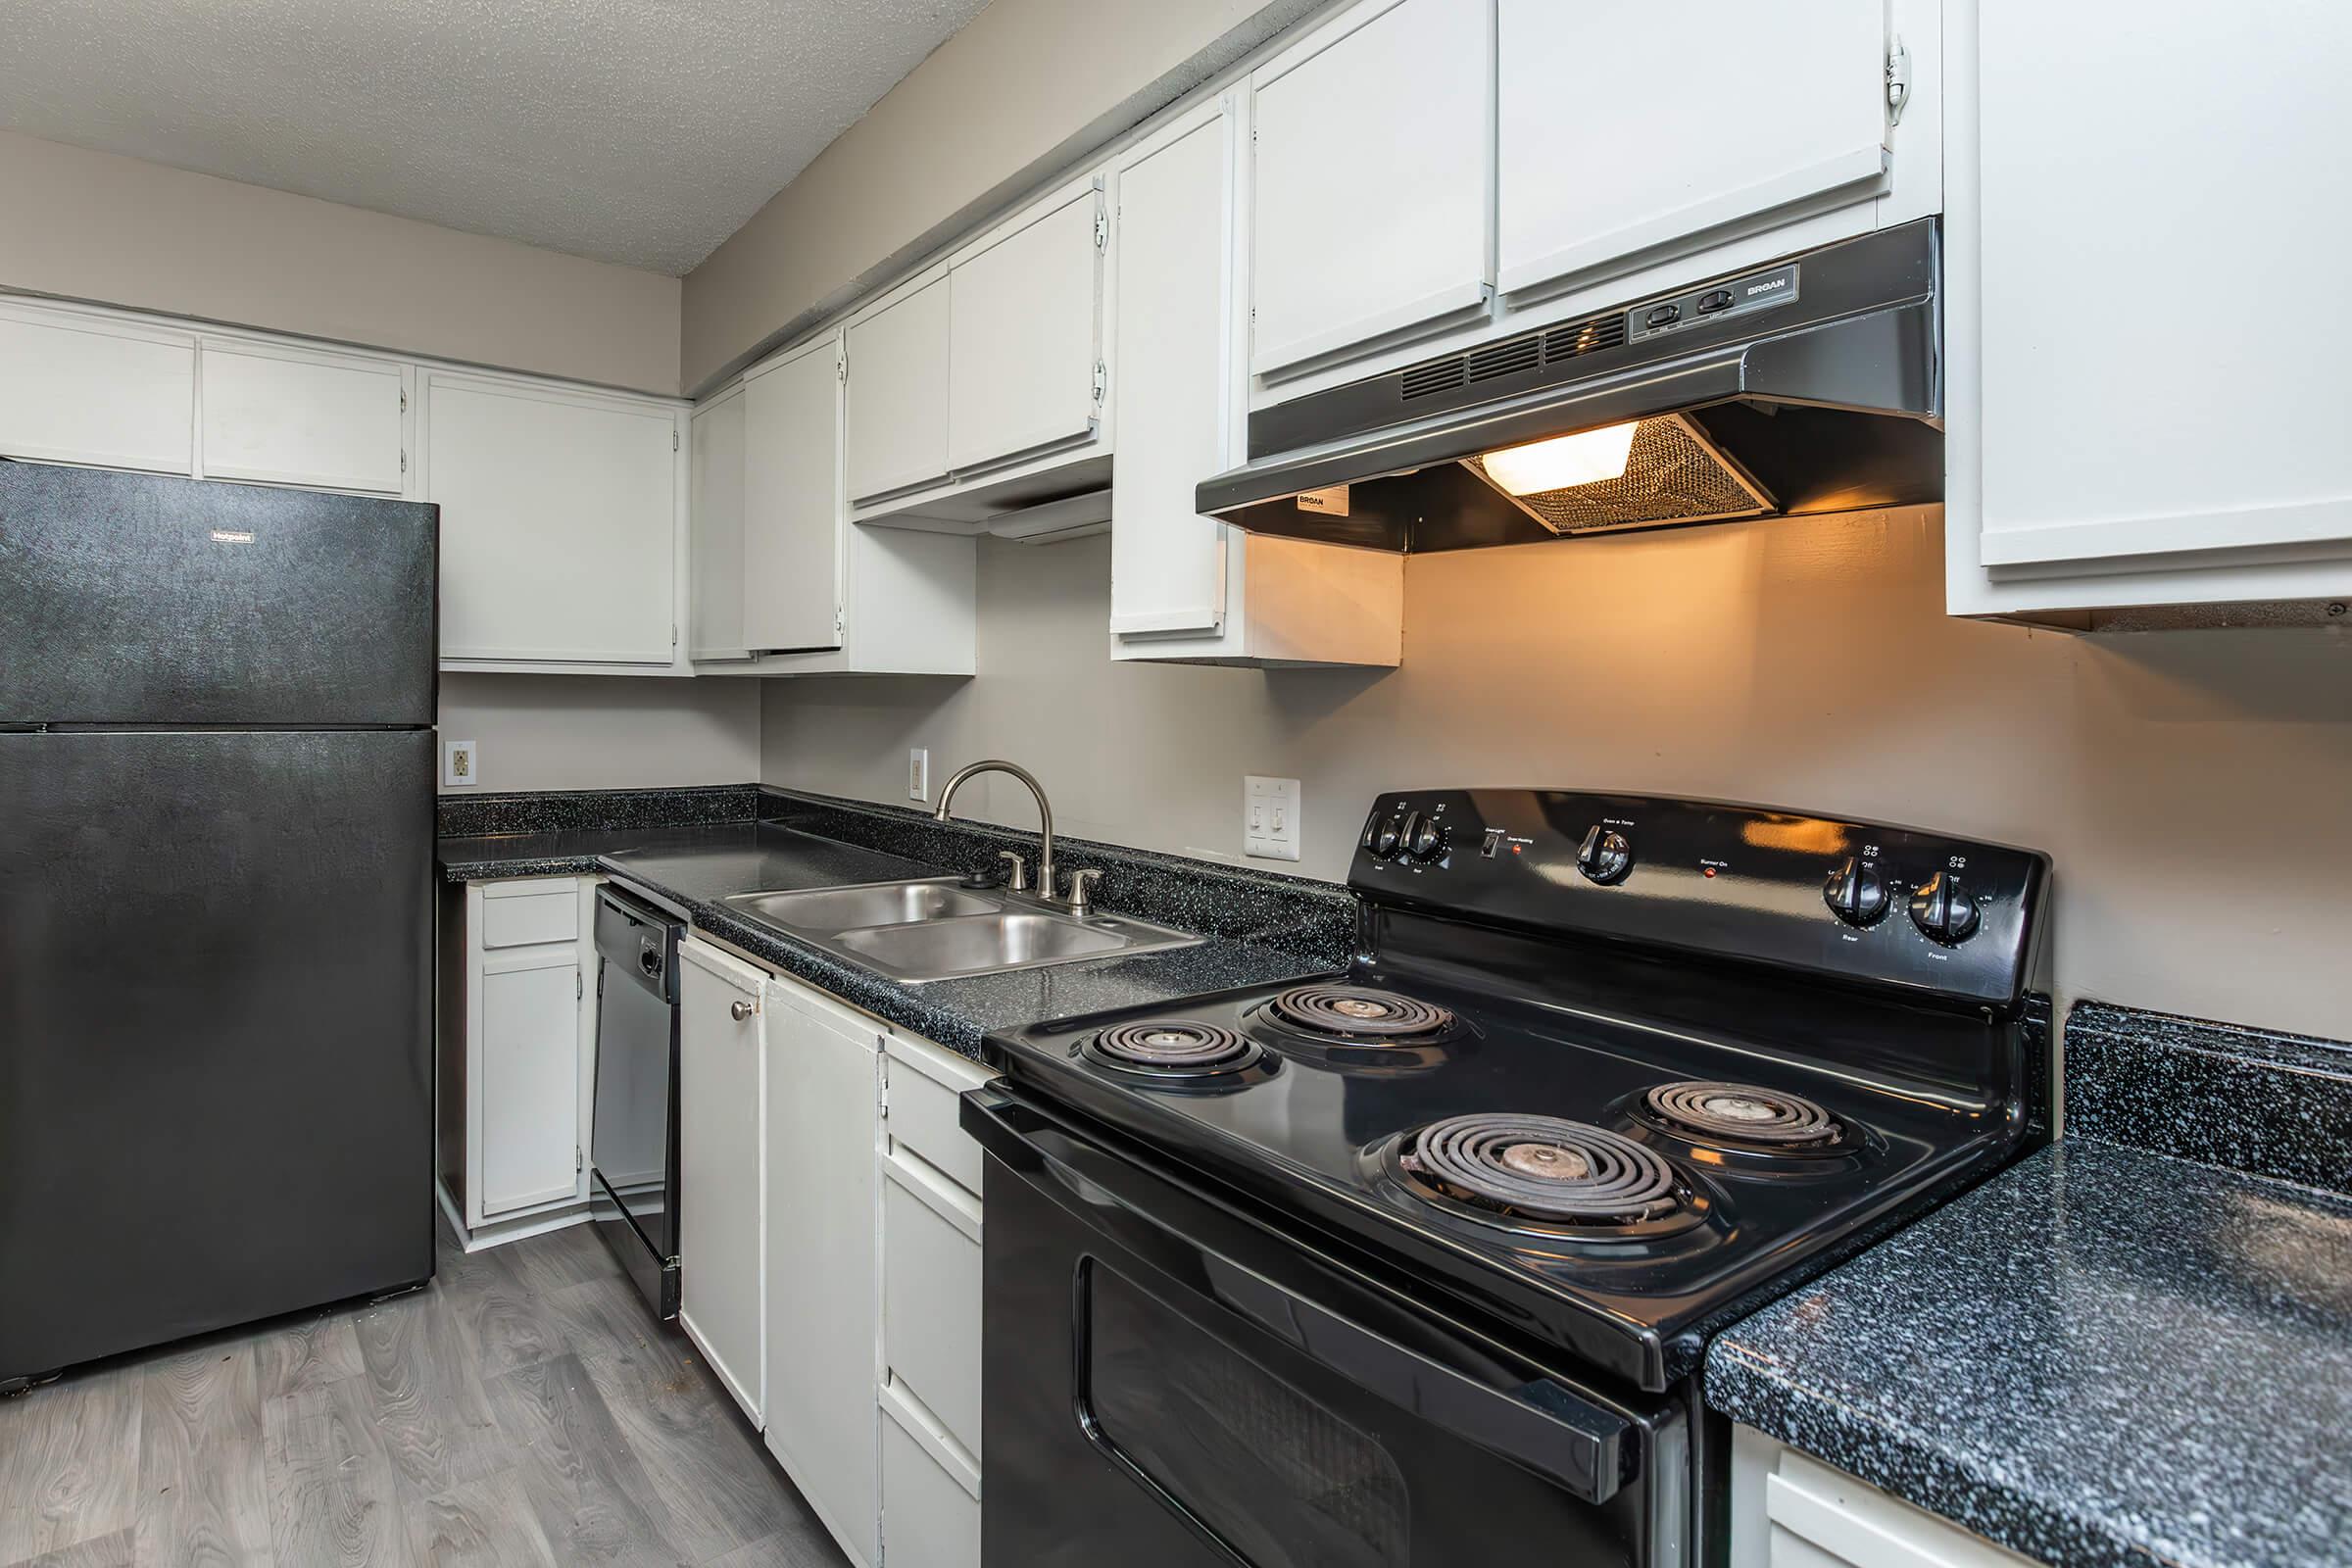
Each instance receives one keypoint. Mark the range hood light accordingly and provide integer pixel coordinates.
(1563, 461)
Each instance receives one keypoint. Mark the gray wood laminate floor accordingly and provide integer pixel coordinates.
(524, 1409)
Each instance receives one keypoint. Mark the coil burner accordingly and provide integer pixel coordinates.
(1172, 1047)
(1359, 1015)
(1505, 1169)
(1745, 1116)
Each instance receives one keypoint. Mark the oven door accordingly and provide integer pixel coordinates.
(1170, 1382)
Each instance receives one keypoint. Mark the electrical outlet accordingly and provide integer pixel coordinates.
(918, 773)
(458, 769)
(1270, 817)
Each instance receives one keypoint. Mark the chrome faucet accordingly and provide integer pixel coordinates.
(1045, 817)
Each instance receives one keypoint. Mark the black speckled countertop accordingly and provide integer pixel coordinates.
(2106, 1354)
(1260, 929)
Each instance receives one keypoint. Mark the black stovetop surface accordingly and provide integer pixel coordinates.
(1310, 1131)
(1704, 950)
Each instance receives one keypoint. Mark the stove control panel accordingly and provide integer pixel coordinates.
(1859, 900)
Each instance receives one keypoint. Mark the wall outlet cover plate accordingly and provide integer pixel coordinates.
(459, 770)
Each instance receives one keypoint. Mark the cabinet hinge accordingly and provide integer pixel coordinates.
(673, 438)
(1101, 381)
(840, 367)
(404, 460)
(579, 1161)
(404, 399)
(882, 1108)
(1102, 228)
(579, 987)
(841, 620)
(1899, 80)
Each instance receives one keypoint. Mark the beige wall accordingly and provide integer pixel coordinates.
(120, 231)
(1026, 86)
(587, 732)
(2195, 788)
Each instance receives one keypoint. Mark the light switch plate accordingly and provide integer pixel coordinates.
(918, 773)
(1270, 817)
(458, 768)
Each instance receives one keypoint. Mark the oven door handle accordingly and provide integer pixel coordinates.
(1480, 1392)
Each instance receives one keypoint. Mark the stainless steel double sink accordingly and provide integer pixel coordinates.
(933, 928)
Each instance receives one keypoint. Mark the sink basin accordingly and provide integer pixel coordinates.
(979, 944)
(882, 903)
(931, 929)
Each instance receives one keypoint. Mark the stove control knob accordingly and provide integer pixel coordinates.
(1387, 837)
(1857, 893)
(1942, 910)
(1605, 856)
(1424, 840)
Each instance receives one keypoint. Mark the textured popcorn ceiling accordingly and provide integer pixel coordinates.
(640, 133)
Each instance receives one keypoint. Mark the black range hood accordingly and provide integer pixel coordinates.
(1812, 384)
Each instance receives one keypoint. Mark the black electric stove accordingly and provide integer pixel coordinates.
(1606, 1073)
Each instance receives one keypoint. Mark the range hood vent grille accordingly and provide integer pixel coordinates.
(1673, 473)
(1512, 355)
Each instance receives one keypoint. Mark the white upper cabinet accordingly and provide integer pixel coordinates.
(2109, 445)
(290, 415)
(1024, 354)
(95, 390)
(1374, 153)
(559, 521)
(793, 516)
(1631, 131)
(1183, 586)
(1177, 383)
(897, 419)
(715, 486)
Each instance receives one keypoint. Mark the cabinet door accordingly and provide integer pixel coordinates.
(530, 1090)
(327, 421)
(929, 1517)
(716, 488)
(823, 1098)
(897, 435)
(1369, 209)
(86, 389)
(931, 1292)
(1024, 329)
(2116, 421)
(1178, 384)
(793, 520)
(1631, 129)
(559, 523)
(720, 1187)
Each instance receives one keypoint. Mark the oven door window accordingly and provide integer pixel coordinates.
(1272, 1475)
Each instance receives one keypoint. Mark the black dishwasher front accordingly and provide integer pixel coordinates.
(633, 1135)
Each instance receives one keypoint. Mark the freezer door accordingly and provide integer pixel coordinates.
(215, 1016)
(140, 599)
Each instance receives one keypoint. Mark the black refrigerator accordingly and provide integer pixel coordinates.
(215, 917)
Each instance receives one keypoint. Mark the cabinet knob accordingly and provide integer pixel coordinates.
(738, 1010)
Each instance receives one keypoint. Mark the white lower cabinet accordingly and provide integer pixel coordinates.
(517, 1042)
(829, 1251)
(930, 1505)
(1790, 1510)
(822, 1103)
(723, 1011)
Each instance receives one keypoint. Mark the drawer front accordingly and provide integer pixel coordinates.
(922, 1118)
(927, 1516)
(519, 920)
(931, 1295)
